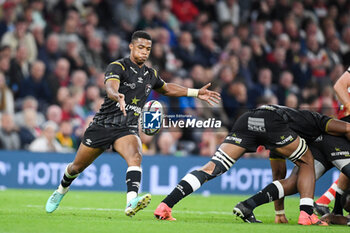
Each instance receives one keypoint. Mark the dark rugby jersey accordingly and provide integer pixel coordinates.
(136, 84)
(307, 124)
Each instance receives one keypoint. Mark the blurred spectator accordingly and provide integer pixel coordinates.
(208, 51)
(167, 144)
(28, 102)
(36, 85)
(112, 49)
(54, 113)
(21, 36)
(65, 136)
(207, 146)
(317, 57)
(92, 102)
(7, 103)
(30, 129)
(264, 87)
(19, 69)
(285, 87)
(103, 13)
(47, 141)
(246, 66)
(235, 99)
(186, 50)
(184, 10)
(227, 31)
(302, 70)
(228, 11)
(73, 54)
(9, 137)
(292, 101)
(8, 17)
(60, 12)
(127, 16)
(51, 52)
(148, 16)
(59, 78)
(69, 111)
(277, 63)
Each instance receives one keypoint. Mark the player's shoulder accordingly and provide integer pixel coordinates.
(152, 71)
(120, 63)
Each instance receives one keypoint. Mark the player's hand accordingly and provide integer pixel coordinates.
(209, 96)
(121, 101)
(327, 218)
(281, 218)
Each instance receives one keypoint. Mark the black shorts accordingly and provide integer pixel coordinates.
(331, 151)
(97, 136)
(261, 127)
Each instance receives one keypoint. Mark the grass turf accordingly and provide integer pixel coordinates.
(82, 211)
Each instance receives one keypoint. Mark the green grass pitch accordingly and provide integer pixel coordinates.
(84, 211)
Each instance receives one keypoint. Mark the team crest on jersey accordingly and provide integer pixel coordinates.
(148, 89)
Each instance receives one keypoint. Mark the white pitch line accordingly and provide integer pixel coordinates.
(146, 210)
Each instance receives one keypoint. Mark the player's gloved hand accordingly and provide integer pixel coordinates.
(208, 96)
(281, 218)
(121, 101)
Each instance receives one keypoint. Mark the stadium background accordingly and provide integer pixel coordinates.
(53, 55)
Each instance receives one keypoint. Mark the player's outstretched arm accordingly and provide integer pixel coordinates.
(172, 89)
(112, 87)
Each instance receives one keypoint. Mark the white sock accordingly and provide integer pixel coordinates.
(130, 195)
(307, 201)
(62, 190)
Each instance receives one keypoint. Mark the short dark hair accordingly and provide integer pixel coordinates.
(140, 34)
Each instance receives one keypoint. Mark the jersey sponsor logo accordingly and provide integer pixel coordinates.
(131, 85)
(140, 80)
(285, 140)
(88, 141)
(133, 70)
(340, 152)
(234, 138)
(319, 139)
(256, 124)
(148, 89)
(130, 107)
(135, 100)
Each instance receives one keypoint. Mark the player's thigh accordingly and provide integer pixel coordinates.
(130, 148)
(85, 156)
(297, 148)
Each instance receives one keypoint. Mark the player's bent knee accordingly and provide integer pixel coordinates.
(299, 152)
(223, 162)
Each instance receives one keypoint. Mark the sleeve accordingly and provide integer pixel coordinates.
(114, 71)
(159, 81)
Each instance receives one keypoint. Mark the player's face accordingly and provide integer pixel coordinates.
(140, 50)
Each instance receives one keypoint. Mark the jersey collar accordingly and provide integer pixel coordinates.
(134, 66)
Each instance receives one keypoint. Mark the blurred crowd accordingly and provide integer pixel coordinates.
(53, 54)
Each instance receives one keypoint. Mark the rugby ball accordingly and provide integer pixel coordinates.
(152, 117)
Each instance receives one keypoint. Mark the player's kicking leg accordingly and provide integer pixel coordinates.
(129, 147)
(221, 162)
(84, 157)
